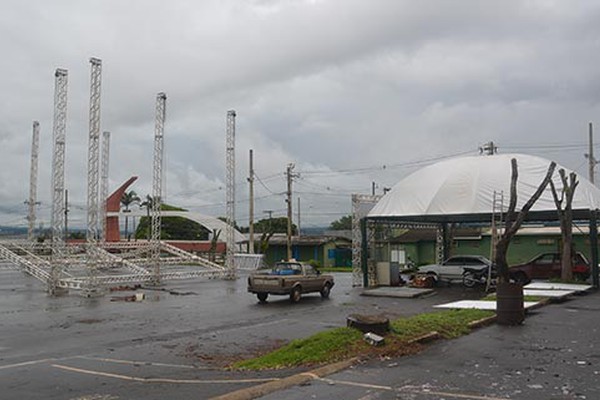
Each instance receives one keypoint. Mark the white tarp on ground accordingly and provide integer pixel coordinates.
(466, 185)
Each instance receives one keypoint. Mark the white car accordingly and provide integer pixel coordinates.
(453, 268)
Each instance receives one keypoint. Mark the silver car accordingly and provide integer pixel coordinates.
(453, 268)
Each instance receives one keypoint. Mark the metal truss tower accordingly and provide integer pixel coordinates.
(361, 205)
(93, 176)
(157, 180)
(230, 183)
(93, 152)
(58, 172)
(33, 177)
(104, 184)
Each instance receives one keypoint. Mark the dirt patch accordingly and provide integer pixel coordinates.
(89, 321)
(223, 357)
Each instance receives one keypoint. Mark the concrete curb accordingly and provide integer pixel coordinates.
(285, 383)
(482, 322)
(304, 377)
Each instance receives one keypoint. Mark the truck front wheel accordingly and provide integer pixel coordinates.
(262, 297)
(295, 294)
(325, 291)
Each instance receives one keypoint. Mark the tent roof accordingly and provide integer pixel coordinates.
(462, 189)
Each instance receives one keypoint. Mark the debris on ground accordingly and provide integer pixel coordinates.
(125, 288)
(132, 298)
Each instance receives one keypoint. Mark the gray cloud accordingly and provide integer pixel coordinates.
(329, 85)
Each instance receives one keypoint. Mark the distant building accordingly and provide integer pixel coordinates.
(327, 251)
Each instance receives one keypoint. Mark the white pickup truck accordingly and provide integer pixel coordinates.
(289, 278)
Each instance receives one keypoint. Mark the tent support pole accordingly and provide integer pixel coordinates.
(364, 252)
(594, 247)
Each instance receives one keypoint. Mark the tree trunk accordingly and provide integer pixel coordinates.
(566, 221)
(509, 295)
(514, 220)
(567, 246)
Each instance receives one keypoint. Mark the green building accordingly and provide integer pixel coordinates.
(327, 251)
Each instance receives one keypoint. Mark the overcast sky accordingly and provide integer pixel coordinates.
(351, 91)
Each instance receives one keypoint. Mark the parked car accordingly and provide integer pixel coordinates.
(549, 265)
(454, 267)
(289, 278)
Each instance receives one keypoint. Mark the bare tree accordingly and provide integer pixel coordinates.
(514, 220)
(565, 215)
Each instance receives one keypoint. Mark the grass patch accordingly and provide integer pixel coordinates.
(325, 346)
(492, 297)
(342, 343)
(450, 324)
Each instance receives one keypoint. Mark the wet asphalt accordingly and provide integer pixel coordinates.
(175, 343)
(555, 354)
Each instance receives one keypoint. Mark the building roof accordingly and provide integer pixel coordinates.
(210, 223)
(281, 239)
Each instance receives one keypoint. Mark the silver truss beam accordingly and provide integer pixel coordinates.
(189, 257)
(33, 178)
(230, 183)
(58, 171)
(104, 184)
(28, 266)
(157, 180)
(22, 254)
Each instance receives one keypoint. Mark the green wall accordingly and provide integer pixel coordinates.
(522, 248)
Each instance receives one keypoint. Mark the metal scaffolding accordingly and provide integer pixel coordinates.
(58, 173)
(361, 205)
(230, 182)
(104, 184)
(33, 178)
(93, 151)
(157, 180)
(93, 172)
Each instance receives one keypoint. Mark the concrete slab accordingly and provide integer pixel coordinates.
(557, 286)
(400, 292)
(479, 305)
(548, 293)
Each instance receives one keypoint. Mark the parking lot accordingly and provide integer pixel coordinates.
(173, 344)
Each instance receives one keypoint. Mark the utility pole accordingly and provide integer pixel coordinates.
(373, 188)
(298, 216)
(590, 155)
(251, 206)
(290, 177)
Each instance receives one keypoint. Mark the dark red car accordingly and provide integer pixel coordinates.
(548, 265)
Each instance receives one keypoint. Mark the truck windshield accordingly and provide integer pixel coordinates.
(287, 269)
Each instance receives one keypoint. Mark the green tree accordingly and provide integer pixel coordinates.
(342, 224)
(268, 227)
(274, 225)
(127, 200)
(174, 228)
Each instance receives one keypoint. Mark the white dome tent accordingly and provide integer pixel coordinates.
(462, 190)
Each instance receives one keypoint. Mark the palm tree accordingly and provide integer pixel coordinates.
(127, 200)
(148, 204)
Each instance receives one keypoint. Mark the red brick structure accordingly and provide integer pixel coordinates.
(113, 204)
